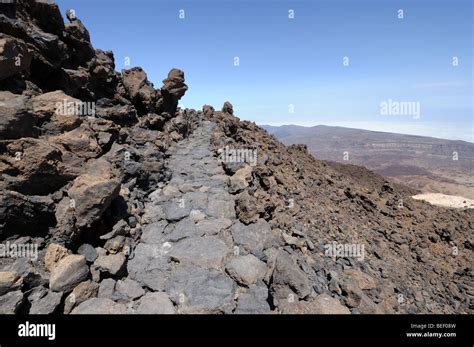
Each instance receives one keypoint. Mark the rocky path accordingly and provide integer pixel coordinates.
(186, 260)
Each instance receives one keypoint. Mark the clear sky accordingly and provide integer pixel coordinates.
(299, 61)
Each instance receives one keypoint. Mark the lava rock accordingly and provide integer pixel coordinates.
(69, 272)
(246, 270)
(10, 49)
(239, 180)
(228, 108)
(113, 264)
(11, 302)
(10, 281)
(47, 304)
(208, 110)
(198, 290)
(89, 252)
(129, 289)
(18, 120)
(100, 306)
(288, 274)
(253, 237)
(82, 292)
(253, 301)
(207, 251)
(149, 265)
(54, 253)
(156, 303)
(33, 167)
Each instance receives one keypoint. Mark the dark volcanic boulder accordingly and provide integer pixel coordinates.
(47, 48)
(16, 119)
(47, 16)
(228, 108)
(56, 112)
(32, 166)
(15, 58)
(173, 89)
(78, 40)
(104, 80)
(22, 215)
(74, 82)
(141, 91)
(119, 114)
(152, 121)
(88, 197)
(208, 110)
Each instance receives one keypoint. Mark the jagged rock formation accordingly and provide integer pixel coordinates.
(72, 128)
(137, 206)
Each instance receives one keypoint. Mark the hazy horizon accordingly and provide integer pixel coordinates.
(448, 131)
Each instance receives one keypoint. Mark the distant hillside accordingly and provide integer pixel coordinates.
(424, 163)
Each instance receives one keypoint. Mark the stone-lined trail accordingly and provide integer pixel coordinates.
(186, 260)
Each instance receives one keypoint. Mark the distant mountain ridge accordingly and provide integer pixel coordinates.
(292, 130)
(425, 163)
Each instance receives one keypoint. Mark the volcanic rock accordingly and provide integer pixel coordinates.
(246, 270)
(54, 253)
(15, 57)
(11, 302)
(173, 89)
(112, 264)
(228, 108)
(69, 272)
(100, 306)
(82, 292)
(147, 194)
(156, 303)
(10, 281)
(197, 290)
(46, 304)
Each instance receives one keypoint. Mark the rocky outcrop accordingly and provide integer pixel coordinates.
(173, 89)
(64, 108)
(140, 90)
(32, 166)
(81, 147)
(15, 58)
(17, 119)
(228, 108)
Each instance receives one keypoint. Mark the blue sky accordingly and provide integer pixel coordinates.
(299, 61)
